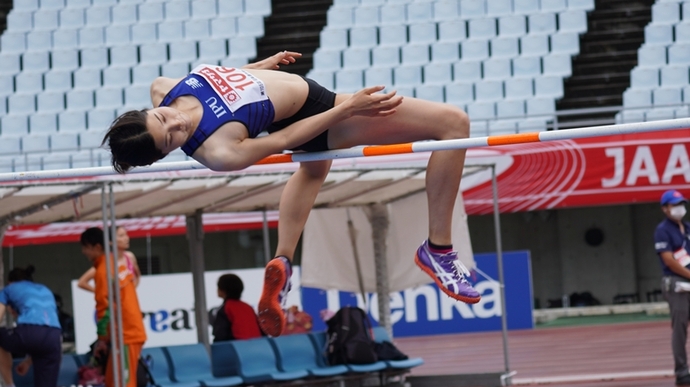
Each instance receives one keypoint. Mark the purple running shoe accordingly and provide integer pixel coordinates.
(448, 273)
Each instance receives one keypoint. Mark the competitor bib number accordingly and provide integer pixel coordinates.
(235, 87)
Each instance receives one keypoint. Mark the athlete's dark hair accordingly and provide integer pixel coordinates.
(232, 286)
(131, 145)
(21, 274)
(91, 237)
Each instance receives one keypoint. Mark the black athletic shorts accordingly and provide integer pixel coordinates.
(318, 101)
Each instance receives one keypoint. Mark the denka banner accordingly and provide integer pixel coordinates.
(425, 310)
(581, 172)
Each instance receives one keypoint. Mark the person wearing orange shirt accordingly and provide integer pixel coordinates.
(133, 332)
(125, 257)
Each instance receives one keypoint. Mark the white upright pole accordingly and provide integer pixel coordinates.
(118, 291)
(114, 349)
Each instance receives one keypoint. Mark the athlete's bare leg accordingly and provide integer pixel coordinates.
(296, 202)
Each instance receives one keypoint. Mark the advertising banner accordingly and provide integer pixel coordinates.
(425, 310)
(167, 305)
(631, 168)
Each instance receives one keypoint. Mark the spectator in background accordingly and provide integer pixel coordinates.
(125, 257)
(671, 241)
(235, 320)
(37, 333)
(133, 332)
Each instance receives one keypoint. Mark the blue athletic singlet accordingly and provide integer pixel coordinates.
(227, 95)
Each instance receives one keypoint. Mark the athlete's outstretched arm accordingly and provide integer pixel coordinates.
(243, 153)
(273, 62)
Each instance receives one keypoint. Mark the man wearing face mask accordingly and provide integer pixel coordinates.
(672, 242)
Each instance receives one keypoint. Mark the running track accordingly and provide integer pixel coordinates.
(637, 354)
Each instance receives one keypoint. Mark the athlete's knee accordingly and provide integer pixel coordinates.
(456, 123)
(317, 170)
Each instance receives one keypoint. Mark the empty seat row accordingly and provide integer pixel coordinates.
(667, 34)
(458, 30)
(102, 14)
(442, 73)
(655, 114)
(660, 55)
(96, 37)
(44, 143)
(672, 95)
(348, 15)
(670, 12)
(498, 51)
(652, 77)
(53, 102)
(67, 121)
(130, 55)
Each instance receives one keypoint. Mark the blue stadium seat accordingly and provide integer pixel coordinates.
(526, 67)
(679, 53)
(94, 57)
(548, 86)
(35, 61)
(489, 90)
(472, 9)
(474, 49)
(497, 127)
(14, 125)
(512, 108)
(495, 69)
(519, 88)
(36, 143)
(93, 37)
(333, 38)
(363, 37)
(46, 19)
(637, 98)
(116, 76)
(9, 65)
(253, 360)
(424, 32)
(459, 93)
(66, 38)
(213, 49)
(415, 54)
(565, 42)
(526, 7)
(445, 10)
(230, 8)
(144, 32)
(375, 76)
(57, 80)
(467, 71)
(667, 96)
(407, 75)
(327, 59)
(504, 47)
(68, 375)
(39, 41)
(151, 12)
(242, 47)
(72, 120)
(29, 82)
(257, 7)
(117, 35)
(641, 77)
(100, 118)
(553, 5)
(430, 92)
(541, 23)
(513, 25)
(197, 29)
(393, 14)
(497, 8)
(171, 31)
(160, 367)
(60, 160)
(13, 42)
(191, 363)
(436, 73)
(177, 10)
(43, 123)
(204, 9)
(124, 14)
(64, 141)
(572, 21)
(541, 106)
(557, 64)
(675, 76)
(297, 353)
(452, 30)
(419, 12)
(72, 18)
(19, 21)
(666, 12)
(20, 103)
(224, 27)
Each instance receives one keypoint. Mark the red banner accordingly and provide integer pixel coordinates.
(594, 171)
(136, 228)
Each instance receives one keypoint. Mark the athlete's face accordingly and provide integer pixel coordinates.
(122, 239)
(169, 127)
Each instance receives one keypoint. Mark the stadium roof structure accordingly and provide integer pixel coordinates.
(351, 182)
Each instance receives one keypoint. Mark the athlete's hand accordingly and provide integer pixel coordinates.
(23, 367)
(370, 103)
(274, 62)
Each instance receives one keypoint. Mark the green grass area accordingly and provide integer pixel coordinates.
(602, 319)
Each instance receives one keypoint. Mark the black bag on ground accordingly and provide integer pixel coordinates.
(385, 350)
(349, 338)
(144, 377)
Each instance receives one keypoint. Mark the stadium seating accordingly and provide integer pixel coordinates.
(66, 67)
(489, 57)
(660, 83)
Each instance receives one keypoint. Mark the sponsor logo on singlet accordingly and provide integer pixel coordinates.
(234, 88)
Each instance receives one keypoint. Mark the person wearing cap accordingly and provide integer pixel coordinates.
(672, 242)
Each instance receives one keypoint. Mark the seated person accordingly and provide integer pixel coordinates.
(236, 320)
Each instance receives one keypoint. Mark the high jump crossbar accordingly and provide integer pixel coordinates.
(377, 150)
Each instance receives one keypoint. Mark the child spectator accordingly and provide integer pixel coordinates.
(235, 320)
(133, 332)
